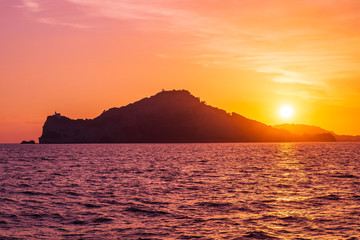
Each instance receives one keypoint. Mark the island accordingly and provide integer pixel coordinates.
(28, 142)
(168, 117)
(303, 130)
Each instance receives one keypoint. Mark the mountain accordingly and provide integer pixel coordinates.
(306, 130)
(167, 117)
(302, 129)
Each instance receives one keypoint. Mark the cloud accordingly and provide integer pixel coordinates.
(32, 5)
(156, 15)
(52, 21)
(125, 9)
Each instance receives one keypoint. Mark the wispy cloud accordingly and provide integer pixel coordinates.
(156, 15)
(52, 21)
(32, 5)
(125, 9)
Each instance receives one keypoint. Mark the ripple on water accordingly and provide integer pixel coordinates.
(102, 220)
(143, 211)
(79, 222)
(257, 235)
(180, 191)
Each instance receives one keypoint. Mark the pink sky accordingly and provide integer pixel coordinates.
(80, 57)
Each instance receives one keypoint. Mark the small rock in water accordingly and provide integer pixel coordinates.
(28, 142)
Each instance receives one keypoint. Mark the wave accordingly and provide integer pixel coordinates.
(256, 235)
(145, 211)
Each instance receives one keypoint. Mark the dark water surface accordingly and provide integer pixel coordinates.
(180, 191)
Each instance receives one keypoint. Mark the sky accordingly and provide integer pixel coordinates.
(80, 57)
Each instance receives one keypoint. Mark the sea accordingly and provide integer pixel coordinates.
(180, 191)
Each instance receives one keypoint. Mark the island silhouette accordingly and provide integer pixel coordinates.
(303, 129)
(169, 117)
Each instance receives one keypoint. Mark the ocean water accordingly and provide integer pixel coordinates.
(180, 191)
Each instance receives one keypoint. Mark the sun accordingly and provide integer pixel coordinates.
(286, 111)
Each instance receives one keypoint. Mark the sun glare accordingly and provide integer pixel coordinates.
(286, 111)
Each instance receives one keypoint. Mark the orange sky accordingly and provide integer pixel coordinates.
(80, 57)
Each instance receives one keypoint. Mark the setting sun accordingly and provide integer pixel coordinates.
(286, 111)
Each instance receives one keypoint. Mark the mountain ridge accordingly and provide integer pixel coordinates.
(303, 129)
(167, 117)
